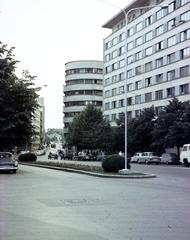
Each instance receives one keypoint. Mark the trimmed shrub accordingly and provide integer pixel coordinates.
(114, 163)
(26, 157)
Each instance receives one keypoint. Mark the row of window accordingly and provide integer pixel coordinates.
(149, 20)
(160, 78)
(151, 96)
(84, 81)
(82, 103)
(155, 64)
(84, 92)
(84, 70)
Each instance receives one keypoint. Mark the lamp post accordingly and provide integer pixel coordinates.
(126, 170)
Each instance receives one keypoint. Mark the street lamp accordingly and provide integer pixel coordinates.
(126, 170)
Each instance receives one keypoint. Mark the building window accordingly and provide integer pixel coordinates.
(114, 91)
(148, 82)
(138, 70)
(121, 76)
(129, 73)
(160, 14)
(113, 104)
(171, 58)
(185, 35)
(184, 71)
(148, 36)
(139, 26)
(130, 32)
(114, 66)
(158, 110)
(185, 16)
(171, 41)
(148, 66)
(108, 69)
(121, 63)
(114, 41)
(108, 45)
(121, 103)
(107, 57)
(159, 95)
(159, 62)
(138, 99)
(171, 7)
(113, 117)
(138, 41)
(129, 87)
(159, 78)
(121, 37)
(159, 30)
(130, 46)
(183, 2)
(159, 46)
(130, 59)
(148, 97)
(121, 50)
(121, 89)
(171, 92)
(107, 81)
(107, 94)
(114, 78)
(138, 55)
(129, 101)
(148, 51)
(184, 88)
(137, 113)
(148, 21)
(114, 54)
(184, 53)
(138, 85)
(171, 75)
(107, 106)
(171, 24)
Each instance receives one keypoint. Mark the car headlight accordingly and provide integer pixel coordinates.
(16, 164)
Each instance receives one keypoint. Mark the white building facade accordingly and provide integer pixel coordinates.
(158, 57)
(83, 85)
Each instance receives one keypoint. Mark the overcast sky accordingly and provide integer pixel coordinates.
(47, 34)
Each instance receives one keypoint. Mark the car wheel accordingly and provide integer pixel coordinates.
(14, 171)
(139, 162)
(146, 162)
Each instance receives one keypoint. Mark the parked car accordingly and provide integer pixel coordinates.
(185, 155)
(7, 163)
(135, 157)
(149, 157)
(102, 156)
(40, 152)
(170, 158)
(53, 155)
(67, 156)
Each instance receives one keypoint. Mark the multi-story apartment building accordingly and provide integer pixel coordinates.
(157, 54)
(83, 85)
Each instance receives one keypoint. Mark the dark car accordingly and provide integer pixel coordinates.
(67, 156)
(170, 158)
(7, 163)
(53, 155)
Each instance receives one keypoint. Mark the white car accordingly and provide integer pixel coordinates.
(185, 155)
(40, 152)
(135, 157)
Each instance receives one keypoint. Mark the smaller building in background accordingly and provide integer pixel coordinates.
(83, 85)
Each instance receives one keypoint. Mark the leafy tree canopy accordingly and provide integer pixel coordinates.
(89, 130)
(18, 102)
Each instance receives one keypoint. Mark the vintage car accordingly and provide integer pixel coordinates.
(7, 163)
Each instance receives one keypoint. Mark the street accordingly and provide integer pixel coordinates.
(38, 203)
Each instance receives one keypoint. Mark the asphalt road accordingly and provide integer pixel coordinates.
(38, 203)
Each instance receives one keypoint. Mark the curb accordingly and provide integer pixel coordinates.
(128, 176)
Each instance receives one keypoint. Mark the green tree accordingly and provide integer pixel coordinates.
(89, 130)
(172, 127)
(18, 102)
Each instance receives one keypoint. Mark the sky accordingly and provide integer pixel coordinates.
(47, 34)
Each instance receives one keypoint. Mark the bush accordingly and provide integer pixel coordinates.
(114, 163)
(26, 157)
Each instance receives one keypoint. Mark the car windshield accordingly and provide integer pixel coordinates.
(152, 154)
(5, 155)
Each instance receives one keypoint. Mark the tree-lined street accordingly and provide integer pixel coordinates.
(39, 203)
